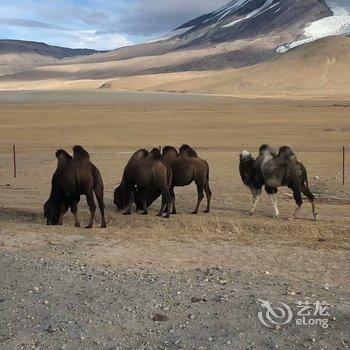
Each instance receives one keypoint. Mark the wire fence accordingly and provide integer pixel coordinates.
(13, 161)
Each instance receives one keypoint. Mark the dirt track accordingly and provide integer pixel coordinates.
(262, 257)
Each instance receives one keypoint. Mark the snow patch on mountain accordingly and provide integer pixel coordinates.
(338, 24)
(265, 7)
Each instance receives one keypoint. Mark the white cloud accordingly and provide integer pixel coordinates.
(91, 38)
(98, 24)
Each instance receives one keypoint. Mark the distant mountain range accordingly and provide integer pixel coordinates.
(242, 33)
(17, 55)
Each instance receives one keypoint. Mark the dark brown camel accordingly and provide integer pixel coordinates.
(169, 153)
(144, 171)
(187, 167)
(121, 198)
(74, 176)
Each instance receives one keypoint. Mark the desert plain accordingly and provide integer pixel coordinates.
(188, 282)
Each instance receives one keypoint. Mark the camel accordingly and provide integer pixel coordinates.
(186, 168)
(251, 174)
(121, 199)
(74, 176)
(144, 171)
(273, 171)
(169, 153)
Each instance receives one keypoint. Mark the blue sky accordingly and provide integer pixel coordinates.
(98, 24)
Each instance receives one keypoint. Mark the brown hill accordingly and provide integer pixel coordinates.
(318, 68)
(17, 56)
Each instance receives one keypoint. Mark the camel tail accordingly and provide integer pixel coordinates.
(98, 182)
(79, 153)
(164, 178)
(208, 173)
(304, 175)
(305, 181)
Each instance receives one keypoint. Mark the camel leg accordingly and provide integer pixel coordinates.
(166, 206)
(297, 197)
(306, 191)
(172, 193)
(166, 200)
(256, 192)
(144, 202)
(92, 206)
(131, 201)
(162, 207)
(200, 198)
(99, 196)
(273, 198)
(74, 210)
(272, 192)
(208, 194)
(60, 220)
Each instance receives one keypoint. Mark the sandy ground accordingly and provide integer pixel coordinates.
(278, 260)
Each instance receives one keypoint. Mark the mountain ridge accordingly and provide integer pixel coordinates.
(240, 34)
(21, 55)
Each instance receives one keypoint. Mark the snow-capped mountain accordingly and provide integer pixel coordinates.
(242, 33)
(300, 20)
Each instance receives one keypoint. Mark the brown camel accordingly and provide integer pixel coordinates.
(169, 153)
(186, 168)
(144, 171)
(121, 199)
(74, 176)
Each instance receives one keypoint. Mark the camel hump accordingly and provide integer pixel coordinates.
(79, 153)
(155, 154)
(267, 149)
(188, 150)
(141, 153)
(286, 153)
(61, 153)
(263, 148)
(167, 149)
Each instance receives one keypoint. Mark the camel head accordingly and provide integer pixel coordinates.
(121, 199)
(244, 156)
(52, 212)
(246, 164)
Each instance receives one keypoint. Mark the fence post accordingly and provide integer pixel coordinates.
(14, 161)
(160, 149)
(343, 165)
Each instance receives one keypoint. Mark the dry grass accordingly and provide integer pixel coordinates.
(110, 128)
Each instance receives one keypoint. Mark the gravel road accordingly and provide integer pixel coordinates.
(61, 304)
